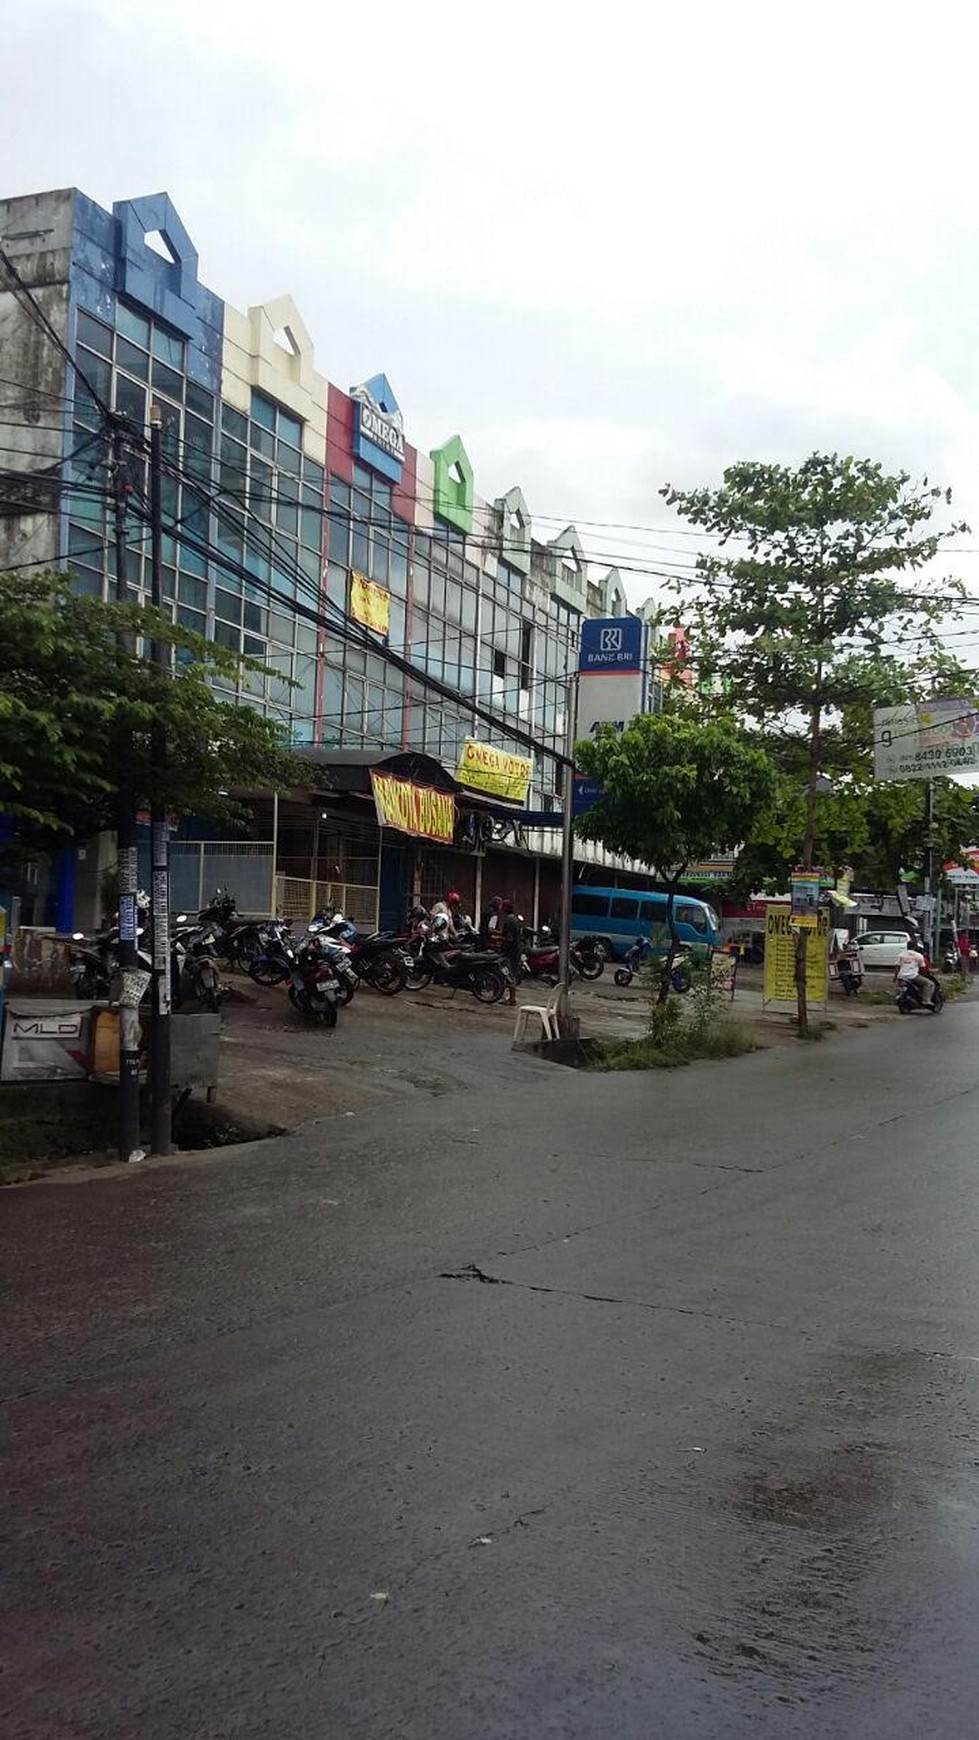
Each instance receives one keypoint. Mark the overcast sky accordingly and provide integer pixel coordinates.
(610, 246)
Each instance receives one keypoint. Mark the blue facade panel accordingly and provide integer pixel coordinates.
(110, 255)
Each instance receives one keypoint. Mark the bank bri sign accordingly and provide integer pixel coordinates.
(379, 439)
(612, 645)
(612, 672)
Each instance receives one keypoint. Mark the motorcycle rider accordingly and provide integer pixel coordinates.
(912, 969)
(451, 909)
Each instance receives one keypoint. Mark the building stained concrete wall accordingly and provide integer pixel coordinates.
(36, 231)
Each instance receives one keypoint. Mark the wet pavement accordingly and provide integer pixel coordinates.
(278, 1070)
(540, 1404)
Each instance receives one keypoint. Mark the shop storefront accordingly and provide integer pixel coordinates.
(434, 833)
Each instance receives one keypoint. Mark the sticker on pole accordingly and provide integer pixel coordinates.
(925, 739)
(805, 888)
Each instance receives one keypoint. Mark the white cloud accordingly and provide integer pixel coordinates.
(607, 248)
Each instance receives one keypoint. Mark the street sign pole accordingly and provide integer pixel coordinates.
(126, 854)
(160, 1084)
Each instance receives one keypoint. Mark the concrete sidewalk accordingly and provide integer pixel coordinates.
(281, 1070)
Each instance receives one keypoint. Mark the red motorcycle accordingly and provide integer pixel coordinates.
(541, 958)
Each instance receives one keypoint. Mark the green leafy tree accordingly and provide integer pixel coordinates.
(816, 615)
(75, 706)
(673, 791)
(874, 828)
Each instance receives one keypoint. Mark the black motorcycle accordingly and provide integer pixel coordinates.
(377, 958)
(238, 941)
(909, 1000)
(484, 972)
(194, 975)
(93, 962)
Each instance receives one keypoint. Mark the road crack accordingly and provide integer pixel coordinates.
(472, 1272)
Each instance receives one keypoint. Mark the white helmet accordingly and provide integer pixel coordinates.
(441, 923)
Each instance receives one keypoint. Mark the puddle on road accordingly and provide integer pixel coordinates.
(822, 1488)
(846, 1485)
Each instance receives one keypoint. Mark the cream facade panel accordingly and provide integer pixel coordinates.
(424, 493)
(255, 357)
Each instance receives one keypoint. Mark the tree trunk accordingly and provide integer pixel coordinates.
(801, 992)
(808, 844)
(666, 980)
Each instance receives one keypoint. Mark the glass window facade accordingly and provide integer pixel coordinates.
(260, 543)
(132, 366)
(458, 614)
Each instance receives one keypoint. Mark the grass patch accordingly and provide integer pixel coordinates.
(681, 1047)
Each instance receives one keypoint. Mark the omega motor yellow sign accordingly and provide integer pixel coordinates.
(483, 768)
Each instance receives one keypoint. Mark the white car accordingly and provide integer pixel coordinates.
(883, 948)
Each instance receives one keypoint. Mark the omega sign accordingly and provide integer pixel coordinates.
(382, 430)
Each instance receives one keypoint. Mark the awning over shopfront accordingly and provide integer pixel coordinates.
(349, 770)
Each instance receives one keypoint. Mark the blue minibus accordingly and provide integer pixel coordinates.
(619, 916)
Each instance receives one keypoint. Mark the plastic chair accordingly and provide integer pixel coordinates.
(546, 1013)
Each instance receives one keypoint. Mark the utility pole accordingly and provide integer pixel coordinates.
(160, 1095)
(567, 851)
(930, 861)
(131, 983)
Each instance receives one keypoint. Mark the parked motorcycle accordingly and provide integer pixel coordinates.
(238, 941)
(541, 958)
(266, 968)
(93, 962)
(378, 959)
(193, 969)
(339, 956)
(909, 1002)
(484, 972)
(849, 971)
(307, 969)
(681, 975)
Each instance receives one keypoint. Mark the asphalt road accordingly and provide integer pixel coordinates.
(628, 1407)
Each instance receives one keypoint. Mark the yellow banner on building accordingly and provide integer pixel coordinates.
(483, 768)
(369, 603)
(415, 809)
(780, 935)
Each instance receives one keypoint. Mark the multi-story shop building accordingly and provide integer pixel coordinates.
(399, 617)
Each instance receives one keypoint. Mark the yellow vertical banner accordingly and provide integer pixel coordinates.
(780, 935)
(370, 604)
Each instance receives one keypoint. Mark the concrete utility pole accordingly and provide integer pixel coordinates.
(129, 995)
(160, 1096)
(930, 864)
(567, 850)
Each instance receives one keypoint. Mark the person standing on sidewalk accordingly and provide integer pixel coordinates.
(511, 946)
(489, 923)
